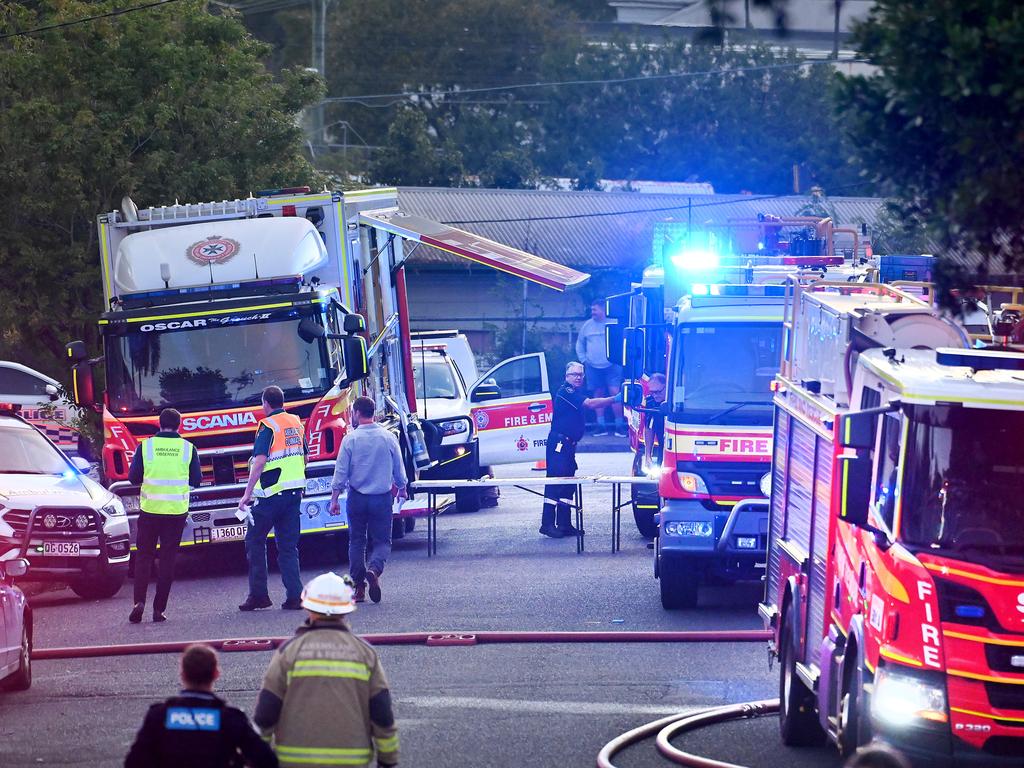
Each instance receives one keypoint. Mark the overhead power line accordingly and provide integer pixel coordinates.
(85, 19)
(402, 95)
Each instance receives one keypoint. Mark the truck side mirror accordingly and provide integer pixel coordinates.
(485, 391)
(83, 386)
(52, 392)
(857, 430)
(353, 351)
(613, 347)
(12, 569)
(632, 395)
(310, 330)
(633, 344)
(353, 323)
(855, 479)
(76, 351)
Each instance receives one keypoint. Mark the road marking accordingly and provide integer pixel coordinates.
(543, 707)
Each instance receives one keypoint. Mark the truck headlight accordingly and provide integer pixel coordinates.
(689, 528)
(453, 427)
(115, 508)
(316, 486)
(766, 484)
(901, 698)
(691, 483)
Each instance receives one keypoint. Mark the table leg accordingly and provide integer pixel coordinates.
(616, 492)
(431, 524)
(579, 519)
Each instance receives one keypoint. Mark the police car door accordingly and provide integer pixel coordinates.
(511, 408)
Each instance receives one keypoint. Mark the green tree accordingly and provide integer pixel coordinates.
(163, 104)
(411, 156)
(939, 125)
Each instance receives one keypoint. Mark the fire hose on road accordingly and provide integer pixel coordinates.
(430, 639)
(670, 726)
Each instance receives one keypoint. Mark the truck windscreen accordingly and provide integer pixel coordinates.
(211, 367)
(963, 484)
(722, 372)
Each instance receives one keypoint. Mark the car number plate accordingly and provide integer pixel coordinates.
(65, 548)
(229, 533)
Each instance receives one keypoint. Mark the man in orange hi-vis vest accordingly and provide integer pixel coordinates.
(279, 469)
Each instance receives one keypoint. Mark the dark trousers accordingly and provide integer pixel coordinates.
(369, 515)
(280, 512)
(152, 529)
(561, 460)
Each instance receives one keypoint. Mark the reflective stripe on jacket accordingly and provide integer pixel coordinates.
(165, 475)
(287, 454)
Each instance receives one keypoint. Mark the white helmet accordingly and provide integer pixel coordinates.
(329, 594)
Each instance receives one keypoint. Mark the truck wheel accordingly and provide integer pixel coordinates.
(679, 584)
(410, 524)
(467, 499)
(854, 723)
(798, 720)
(98, 587)
(21, 680)
(397, 529)
(645, 502)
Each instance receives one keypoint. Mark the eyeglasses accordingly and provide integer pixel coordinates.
(575, 374)
(655, 391)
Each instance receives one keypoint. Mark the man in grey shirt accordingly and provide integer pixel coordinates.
(370, 465)
(603, 377)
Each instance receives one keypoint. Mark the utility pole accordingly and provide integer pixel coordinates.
(319, 47)
(835, 32)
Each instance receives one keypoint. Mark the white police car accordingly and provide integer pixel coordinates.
(70, 528)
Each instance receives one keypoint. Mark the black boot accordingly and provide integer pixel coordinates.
(547, 523)
(564, 524)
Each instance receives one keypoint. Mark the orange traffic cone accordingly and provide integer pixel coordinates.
(541, 466)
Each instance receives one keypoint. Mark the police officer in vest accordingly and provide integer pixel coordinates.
(196, 728)
(165, 465)
(567, 426)
(279, 469)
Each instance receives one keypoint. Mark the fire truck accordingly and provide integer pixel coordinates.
(895, 576)
(209, 303)
(710, 319)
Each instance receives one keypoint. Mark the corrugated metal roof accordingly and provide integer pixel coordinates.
(595, 230)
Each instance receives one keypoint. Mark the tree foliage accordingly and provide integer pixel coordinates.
(163, 104)
(939, 125)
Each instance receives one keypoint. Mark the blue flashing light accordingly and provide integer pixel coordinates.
(969, 611)
(695, 260)
(67, 474)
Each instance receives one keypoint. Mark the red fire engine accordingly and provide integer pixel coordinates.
(895, 576)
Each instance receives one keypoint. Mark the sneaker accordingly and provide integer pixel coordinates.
(159, 616)
(373, 579)
(136, 615)
(621, 432)
(601, 432)
(359, 596)
(292, 605)
(254, 604)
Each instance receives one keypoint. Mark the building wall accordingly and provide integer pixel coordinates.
(489, 308)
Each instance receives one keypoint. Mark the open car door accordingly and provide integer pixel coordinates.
(511, 408)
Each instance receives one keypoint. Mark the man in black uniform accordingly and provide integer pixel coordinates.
(196, 728)
(567, 425)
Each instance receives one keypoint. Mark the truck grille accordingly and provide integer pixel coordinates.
(57, 521)
(1005, 746)
(1005, 695)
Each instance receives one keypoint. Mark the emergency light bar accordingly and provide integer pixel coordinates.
(981, 359)
(290, 284)
(9, 407)
(701, 289)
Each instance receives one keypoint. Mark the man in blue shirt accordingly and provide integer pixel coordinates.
(370, 465)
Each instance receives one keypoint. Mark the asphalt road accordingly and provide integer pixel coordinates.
(511, 705)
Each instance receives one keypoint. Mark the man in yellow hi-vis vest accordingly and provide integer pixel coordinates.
(279, 466)
(165, 465)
